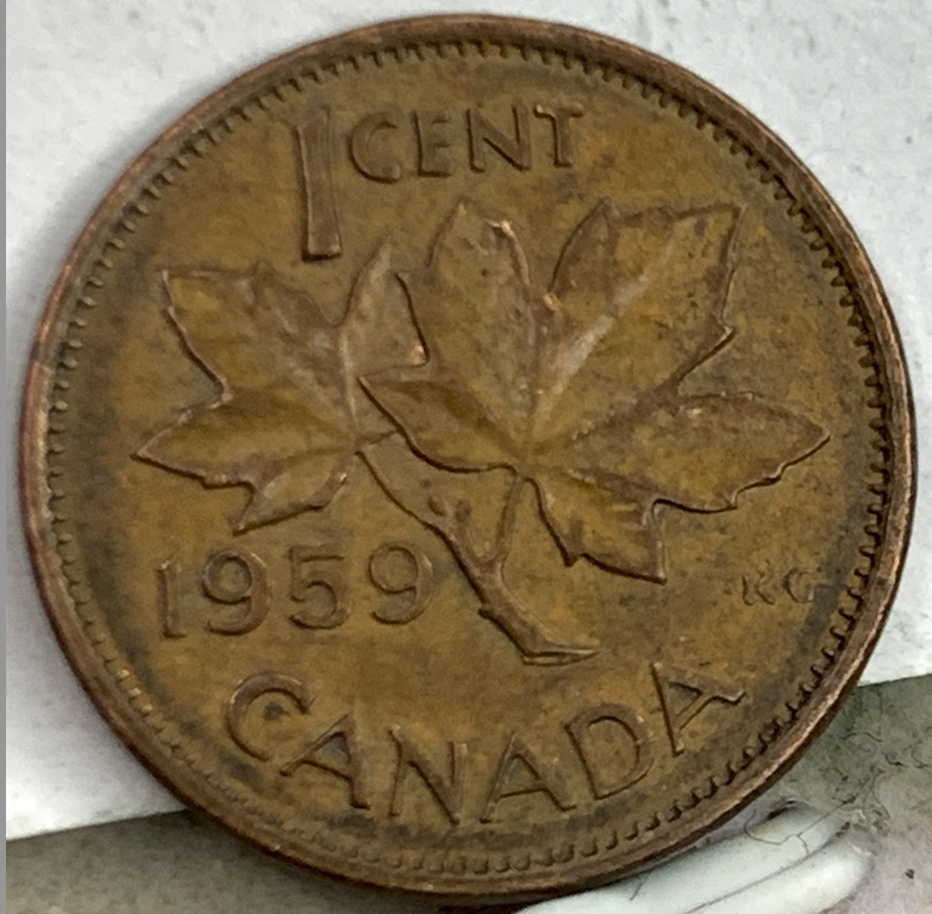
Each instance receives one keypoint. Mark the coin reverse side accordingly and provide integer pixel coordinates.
(467, 455)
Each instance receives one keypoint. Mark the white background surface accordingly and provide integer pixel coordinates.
(847, 84)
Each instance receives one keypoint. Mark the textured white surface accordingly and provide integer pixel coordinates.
(785, 865)
(847, 84)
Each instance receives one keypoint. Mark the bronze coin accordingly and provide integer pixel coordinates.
(467, 455)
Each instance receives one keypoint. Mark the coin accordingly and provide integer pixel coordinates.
(467, 455)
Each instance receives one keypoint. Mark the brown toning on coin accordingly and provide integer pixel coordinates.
(467, 455)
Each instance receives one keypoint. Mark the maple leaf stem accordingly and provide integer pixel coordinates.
(500, 605)
(496, 556)
(529, 635)
(486, 573)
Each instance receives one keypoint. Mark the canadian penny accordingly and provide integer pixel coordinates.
(467, 455)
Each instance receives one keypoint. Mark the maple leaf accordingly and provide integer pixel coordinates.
(577, 389)
(290, 415)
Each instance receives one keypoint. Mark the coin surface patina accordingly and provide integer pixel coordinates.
(467, 455)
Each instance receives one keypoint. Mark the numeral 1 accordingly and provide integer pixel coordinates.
(321, 222)
(169, 601)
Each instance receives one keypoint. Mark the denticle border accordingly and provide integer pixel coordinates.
(892, 490)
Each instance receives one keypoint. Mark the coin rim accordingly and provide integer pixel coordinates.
(803, 188)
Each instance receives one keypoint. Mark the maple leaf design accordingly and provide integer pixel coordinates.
(290, 414)
(578, 390)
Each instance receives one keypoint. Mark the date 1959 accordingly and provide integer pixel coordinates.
(238, 578)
